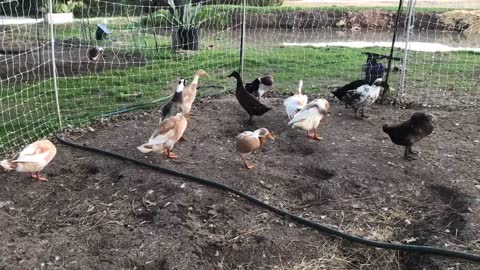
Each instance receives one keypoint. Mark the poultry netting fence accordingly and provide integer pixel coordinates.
(50, 79)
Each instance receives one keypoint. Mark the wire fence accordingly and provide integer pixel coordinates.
(146, 48)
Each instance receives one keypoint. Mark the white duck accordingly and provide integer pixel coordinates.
(296, 102)
(310, 116)
(32, 159)
(364, 95)
(165, 136)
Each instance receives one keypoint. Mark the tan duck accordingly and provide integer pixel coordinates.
(190, 92)
(165, 136)
(32, 159)
(249, 141)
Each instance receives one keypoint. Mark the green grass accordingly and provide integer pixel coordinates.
(28, 109)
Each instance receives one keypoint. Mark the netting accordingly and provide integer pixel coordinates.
(147, 47)
(443, 60)
(26, 96)
(325, 47)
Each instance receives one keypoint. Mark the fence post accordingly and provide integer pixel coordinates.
(54, 65)
(410, 22)
(242, 37)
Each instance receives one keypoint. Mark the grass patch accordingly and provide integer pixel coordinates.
(28, 109)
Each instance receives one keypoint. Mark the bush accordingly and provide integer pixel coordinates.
(218, 17)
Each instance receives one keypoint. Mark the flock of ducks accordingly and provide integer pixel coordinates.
(302, 115)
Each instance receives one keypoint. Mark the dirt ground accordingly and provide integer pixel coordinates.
(25, 63)
(102, 213)
(380, 3)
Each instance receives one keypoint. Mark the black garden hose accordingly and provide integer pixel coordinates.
(160, 100)
(283, 213)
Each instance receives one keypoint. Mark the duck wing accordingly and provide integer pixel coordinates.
(358, 96)
(342, 91)
(250, 103)
(294, 103)
(252, 87)
(166, 110)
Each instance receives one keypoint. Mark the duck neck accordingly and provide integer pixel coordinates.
(195, 79)
(177, 97)
(299, 90)
(239, 81)
(256, 133)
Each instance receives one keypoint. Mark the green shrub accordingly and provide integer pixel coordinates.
(218, 17)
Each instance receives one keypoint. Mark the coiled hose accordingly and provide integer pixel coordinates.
(283, 213)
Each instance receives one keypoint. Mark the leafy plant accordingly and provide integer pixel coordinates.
(186, 16)
(62, 6)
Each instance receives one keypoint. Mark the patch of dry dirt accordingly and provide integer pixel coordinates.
(25, 63)
(102, 213)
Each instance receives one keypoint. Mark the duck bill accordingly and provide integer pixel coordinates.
(270, 136)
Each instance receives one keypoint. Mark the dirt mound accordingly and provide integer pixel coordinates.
(464, 21)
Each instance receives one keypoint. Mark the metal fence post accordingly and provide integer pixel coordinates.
(54, 65)
(410, 22)
(242, 38)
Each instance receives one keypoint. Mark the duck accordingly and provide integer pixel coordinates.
(190, 92)
(248, 142)
(310, 116)
(94, 53)
(365, 95)
(296, 102)
(341, 92)
(248, 101)
(166, 136)
(419, 126)
(32, 159)
(260, 86)
(174, 106)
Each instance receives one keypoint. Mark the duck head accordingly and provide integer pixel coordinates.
(181, 85)
(263, 135)
(234, 74)
(202, 72)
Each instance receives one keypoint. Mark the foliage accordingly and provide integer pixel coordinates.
(218, 17)
(62, 6)
(183, 14)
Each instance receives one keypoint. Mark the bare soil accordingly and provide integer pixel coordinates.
(102, 213)
(26, 61)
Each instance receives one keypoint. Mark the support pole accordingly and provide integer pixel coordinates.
(54, 65)
(397, 19)
(408, 31)
(242, 37)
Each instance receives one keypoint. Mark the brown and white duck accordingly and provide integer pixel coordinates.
(248, 142)
(260, 86)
